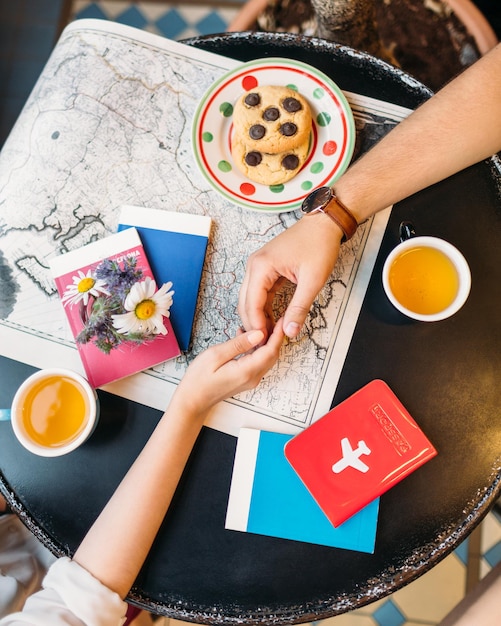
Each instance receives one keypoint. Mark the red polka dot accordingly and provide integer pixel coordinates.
(247, 189)
(249, 82)
(330, 147)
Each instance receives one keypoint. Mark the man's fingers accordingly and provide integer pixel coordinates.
(299, 308)
(259, 281)
(252, 305)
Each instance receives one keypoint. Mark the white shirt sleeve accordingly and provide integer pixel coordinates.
(70, 596)
(23, 564)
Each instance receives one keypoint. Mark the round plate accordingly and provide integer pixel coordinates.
(332, 139)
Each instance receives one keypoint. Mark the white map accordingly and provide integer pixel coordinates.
(109, 123)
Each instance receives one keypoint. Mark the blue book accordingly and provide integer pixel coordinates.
(268, 498)
(175, 244)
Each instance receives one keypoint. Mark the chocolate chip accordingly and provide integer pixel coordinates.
(257, 131)
(253, 158)
(271, 114)
(288, 129)
(290, 162)
(291, 105)
(252, 99)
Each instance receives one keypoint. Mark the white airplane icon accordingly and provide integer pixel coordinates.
(351, 457)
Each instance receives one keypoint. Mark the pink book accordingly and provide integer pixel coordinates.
(358, 450)
(119, 317)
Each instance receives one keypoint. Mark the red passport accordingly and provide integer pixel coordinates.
(358, 450)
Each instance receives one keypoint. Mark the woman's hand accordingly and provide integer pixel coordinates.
(226, 369)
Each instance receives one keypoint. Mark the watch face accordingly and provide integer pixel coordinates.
(316, 200)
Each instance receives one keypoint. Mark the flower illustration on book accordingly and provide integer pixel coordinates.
(118, 304)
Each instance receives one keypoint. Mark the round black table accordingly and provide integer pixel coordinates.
(447, 374)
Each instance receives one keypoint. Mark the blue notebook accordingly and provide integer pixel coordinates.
(175, 244)
(268, 498)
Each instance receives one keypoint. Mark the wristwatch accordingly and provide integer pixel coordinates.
(324, 200)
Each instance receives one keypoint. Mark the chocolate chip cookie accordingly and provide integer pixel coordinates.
(272, 119)
(265, 168)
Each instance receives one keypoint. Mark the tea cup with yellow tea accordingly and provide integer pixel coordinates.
(54, 411)
(426, 278)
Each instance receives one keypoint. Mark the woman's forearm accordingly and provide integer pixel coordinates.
(118, 542)
(458, 127)
(116, 546)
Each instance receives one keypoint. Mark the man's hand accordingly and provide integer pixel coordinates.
(305, 254)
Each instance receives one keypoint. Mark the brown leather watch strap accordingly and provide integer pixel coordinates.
(343, 217)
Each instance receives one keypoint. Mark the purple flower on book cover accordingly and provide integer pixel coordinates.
(118, 304)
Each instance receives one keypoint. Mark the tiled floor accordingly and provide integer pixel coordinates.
(174, 20)
(28, 30)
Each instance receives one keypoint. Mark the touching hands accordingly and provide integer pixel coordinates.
(228, 368)
(304, 254)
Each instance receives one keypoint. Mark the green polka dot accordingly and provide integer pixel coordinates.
(317, 167)
(323, 119)
(207, 137)
(318, 93)
(226, 109)
(224, 166)
(307, 185)
(277, 188)
(293, 87)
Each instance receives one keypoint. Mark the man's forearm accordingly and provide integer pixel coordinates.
(458, 127)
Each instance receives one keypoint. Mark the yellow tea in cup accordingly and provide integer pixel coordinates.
(53, 412)
(424, 280)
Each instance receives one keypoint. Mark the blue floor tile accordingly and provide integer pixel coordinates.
(493, 555)
(93, 11)
(132, 17)
(171, 24)
(211, 23)
(462, 552)
(388, 615)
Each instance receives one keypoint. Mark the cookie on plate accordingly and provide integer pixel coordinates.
(268, 169)
(272, 119)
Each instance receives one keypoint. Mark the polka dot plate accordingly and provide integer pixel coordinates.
(332, 137)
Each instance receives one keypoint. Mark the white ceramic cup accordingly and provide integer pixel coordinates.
(452, 253)
(54, 411)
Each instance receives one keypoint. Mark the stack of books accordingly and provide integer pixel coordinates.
(130, 298)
